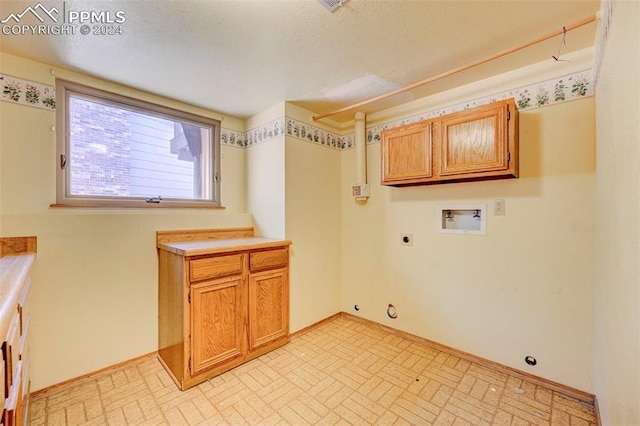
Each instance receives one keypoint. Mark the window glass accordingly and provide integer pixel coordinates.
(134, 152)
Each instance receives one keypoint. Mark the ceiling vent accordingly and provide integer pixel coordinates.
(331, 4)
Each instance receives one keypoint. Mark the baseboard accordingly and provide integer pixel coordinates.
(576, 394)
(108, 370)
(315, 325)
(91, 376)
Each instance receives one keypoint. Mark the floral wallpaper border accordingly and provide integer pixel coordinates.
(233, 138)
(265, 132)
(26, 92)
(294, 128)
(550, 92)
(554, 91)
(254, 136)
(313, 134)
(558, 90)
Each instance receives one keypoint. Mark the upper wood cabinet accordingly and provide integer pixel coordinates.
(476, 144)
(407, 153)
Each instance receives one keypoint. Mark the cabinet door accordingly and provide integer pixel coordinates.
(475, 141)
(13, 405)
(268, 307)
(217, 322)
(406, 153)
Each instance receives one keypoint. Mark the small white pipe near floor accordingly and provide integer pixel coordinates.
(360, 190)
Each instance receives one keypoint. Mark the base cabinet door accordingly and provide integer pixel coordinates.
(217, 323)
(268, 307)
(13, 410)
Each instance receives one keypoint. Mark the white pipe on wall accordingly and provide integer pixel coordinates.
(362, 192)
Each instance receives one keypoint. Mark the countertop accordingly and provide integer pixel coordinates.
(196, 248)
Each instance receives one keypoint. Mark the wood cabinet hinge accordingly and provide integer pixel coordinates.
(508, 157)
(189, 363)
(508, 113)
(189, 296)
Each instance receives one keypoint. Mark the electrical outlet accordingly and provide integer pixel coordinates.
(498, 207)
(406, 239)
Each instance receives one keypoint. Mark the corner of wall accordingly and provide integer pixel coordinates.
(305, 116)
(270, 114)
(617, 211)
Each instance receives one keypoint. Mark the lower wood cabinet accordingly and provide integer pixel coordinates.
(16, 353)
(15, 329)
(221, 306)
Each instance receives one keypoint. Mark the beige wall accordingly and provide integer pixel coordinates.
(1, 228)
(313, 215)
(293, 189)
(266, 187)
(95, 281)
(265, 176)
(523, 289)
(313, 223)
(617, 232)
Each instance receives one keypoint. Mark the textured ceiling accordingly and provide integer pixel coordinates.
(239, 57)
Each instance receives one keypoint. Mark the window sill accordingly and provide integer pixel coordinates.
(142, 206)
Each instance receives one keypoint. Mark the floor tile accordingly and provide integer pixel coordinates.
(339, 373)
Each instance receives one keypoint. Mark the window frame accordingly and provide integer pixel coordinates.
(64, 89)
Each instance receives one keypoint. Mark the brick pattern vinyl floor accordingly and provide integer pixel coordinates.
(342, 372)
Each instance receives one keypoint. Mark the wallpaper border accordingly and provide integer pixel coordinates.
(26, 92)
(554, 91)
(557, 90)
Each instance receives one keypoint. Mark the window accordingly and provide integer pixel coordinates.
(122, 152)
